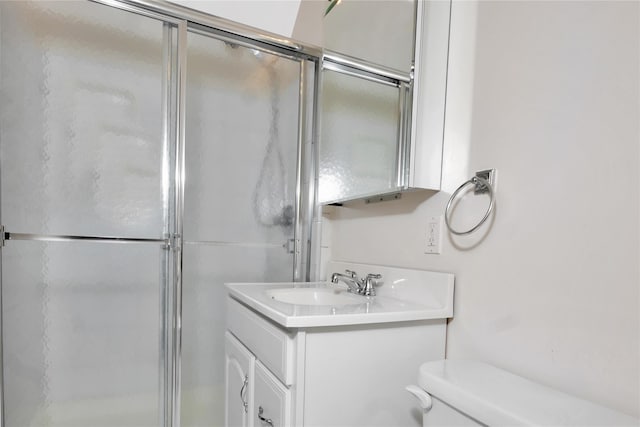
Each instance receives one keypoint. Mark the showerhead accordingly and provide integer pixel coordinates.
(263, 57)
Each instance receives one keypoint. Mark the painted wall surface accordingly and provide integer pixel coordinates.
(275, 16)
(547, 93)
(308, 26)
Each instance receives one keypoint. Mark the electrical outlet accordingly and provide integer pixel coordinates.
(434, 235)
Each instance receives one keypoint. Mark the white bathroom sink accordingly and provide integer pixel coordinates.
(315, 296)
(402, 295)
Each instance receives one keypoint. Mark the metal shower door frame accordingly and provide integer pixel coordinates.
(305, 169)
(177, 22)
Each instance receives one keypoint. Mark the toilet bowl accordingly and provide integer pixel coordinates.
(468, 393)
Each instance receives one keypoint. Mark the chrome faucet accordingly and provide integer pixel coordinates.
(350, 279)
(357, 285)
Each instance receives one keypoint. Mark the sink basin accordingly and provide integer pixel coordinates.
(315, 296)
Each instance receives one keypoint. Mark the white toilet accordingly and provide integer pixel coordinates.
(467, 393)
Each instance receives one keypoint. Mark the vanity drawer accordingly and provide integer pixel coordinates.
(271, 400)
(272, 345)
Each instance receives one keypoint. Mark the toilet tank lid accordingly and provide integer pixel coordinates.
(495, 397)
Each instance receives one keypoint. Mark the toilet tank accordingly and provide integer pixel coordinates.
(469, 393)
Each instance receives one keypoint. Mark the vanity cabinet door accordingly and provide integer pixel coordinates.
(271, 400)
(239, 379)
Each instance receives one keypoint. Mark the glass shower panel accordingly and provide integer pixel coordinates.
(83, 154)
(359, 137)
(242, 143)
(80, 120)
(81, 324)
(206, 269)
(241, 154)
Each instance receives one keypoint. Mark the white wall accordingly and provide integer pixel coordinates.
(300, 20)
(309, 23)
(547, 93)
(276, 16)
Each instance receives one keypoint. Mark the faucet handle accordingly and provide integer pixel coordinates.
(369, 289)
(351, 273)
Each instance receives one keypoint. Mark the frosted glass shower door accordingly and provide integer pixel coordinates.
(83, 162)
(242, 121)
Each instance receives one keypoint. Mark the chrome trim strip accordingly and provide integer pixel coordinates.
(418, 35)
(416, 8)
(309, 197)
(179, 220)
(408, 119)
(315, 207)
(369, 67)
(165, 341)
(242, 41)
(134, 8)
(404, 136)
(297, 232)
(70, 238)
(237, 244)
(401, 142)
(338, 68)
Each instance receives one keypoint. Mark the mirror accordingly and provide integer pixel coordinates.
(381, 121)
(359, 134)
(376, 31)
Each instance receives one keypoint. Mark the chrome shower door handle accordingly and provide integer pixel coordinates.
(245, 404)
(263, 419)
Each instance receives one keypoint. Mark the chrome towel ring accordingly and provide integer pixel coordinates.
(482, 183)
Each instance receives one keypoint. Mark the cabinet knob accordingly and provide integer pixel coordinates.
(263, 419)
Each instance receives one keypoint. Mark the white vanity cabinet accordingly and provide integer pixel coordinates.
(315, 355)
(253, 391)
(348, 375)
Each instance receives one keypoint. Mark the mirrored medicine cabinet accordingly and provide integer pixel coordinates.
(382, 98)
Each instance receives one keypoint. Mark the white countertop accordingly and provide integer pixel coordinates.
(405, 295)
(378, 309)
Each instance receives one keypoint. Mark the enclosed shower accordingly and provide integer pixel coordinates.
(148, 155)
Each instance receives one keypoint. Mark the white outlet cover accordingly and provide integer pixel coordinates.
(433, 237)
